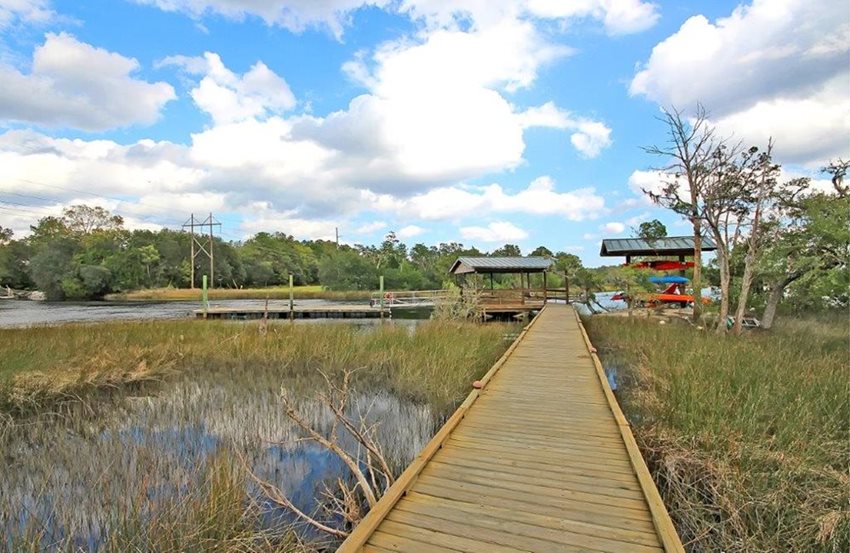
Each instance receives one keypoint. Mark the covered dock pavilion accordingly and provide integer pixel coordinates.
(522, 299)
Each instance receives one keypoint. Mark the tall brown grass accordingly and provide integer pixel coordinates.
(748, 437)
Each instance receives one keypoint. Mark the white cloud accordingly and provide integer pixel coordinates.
(259, 216)
(454, 202)
(653, 181)
(589, 236)
(590, 137)
(502, 231)
(613, 227)
(410, 231)
(618, 16)
(436, 108)
(809, 130)
(228, 97)
(74, 84)
(775, 66)
(295, 15)
(369, 228)
(29, 11)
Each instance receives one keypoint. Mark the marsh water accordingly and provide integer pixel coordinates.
(17, 313)
(75, 477)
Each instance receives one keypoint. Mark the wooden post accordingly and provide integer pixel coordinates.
(545, 290)
(212, 263)
(204, 298)
(522, 287)
(291, 300)
(381, 283)
(566, 287)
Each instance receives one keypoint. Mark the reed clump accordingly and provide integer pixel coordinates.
(748, 437)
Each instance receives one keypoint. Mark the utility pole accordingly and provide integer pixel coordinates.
(201, 243)
(337, 237)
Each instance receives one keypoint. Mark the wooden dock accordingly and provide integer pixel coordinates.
(539, 459)
(298, 312)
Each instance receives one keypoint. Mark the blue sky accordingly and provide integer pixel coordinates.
(482, 122)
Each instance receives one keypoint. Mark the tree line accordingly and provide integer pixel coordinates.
(87, 253)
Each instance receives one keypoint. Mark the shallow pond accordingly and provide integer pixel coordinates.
(73, 479)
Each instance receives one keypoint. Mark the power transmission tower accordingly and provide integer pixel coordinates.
(201, 243)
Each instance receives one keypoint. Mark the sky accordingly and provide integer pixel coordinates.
(483, 122)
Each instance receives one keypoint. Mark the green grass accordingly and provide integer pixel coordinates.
(272, 292)
(434, 364)
(748, 437)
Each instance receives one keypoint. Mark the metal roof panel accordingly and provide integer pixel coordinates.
(672, 245)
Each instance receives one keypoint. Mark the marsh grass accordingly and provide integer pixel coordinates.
(125, 436)
(272, 293)
(748, 437)
(42, 366)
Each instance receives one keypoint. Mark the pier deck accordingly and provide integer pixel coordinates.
(298, 312)
(539, 459)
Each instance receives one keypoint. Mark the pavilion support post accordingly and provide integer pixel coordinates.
(491, 281)
(545, 289)
(566, 287)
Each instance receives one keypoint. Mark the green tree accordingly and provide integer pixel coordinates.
(651, 230)
(84, 219)
(812, 246)
(52, 264)
(508, 250)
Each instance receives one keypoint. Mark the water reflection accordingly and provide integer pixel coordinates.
(77, 478)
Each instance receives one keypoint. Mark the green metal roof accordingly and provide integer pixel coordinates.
(673, 245)
(465, 265)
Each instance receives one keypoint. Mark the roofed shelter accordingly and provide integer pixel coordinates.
(673, 246)
(523, 266)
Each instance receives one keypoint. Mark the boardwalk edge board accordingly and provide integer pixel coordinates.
(660, 517)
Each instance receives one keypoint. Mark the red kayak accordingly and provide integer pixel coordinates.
(663, 265)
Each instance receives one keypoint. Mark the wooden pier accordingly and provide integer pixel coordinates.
(298, 312)
(539, 459)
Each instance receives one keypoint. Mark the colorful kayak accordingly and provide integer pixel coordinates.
(663, 265)
(668, 279)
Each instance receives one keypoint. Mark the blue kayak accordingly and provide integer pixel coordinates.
(668, 279)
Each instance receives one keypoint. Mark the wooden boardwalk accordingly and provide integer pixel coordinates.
(540, 459)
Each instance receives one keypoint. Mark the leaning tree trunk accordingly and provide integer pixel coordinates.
(776, 294)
